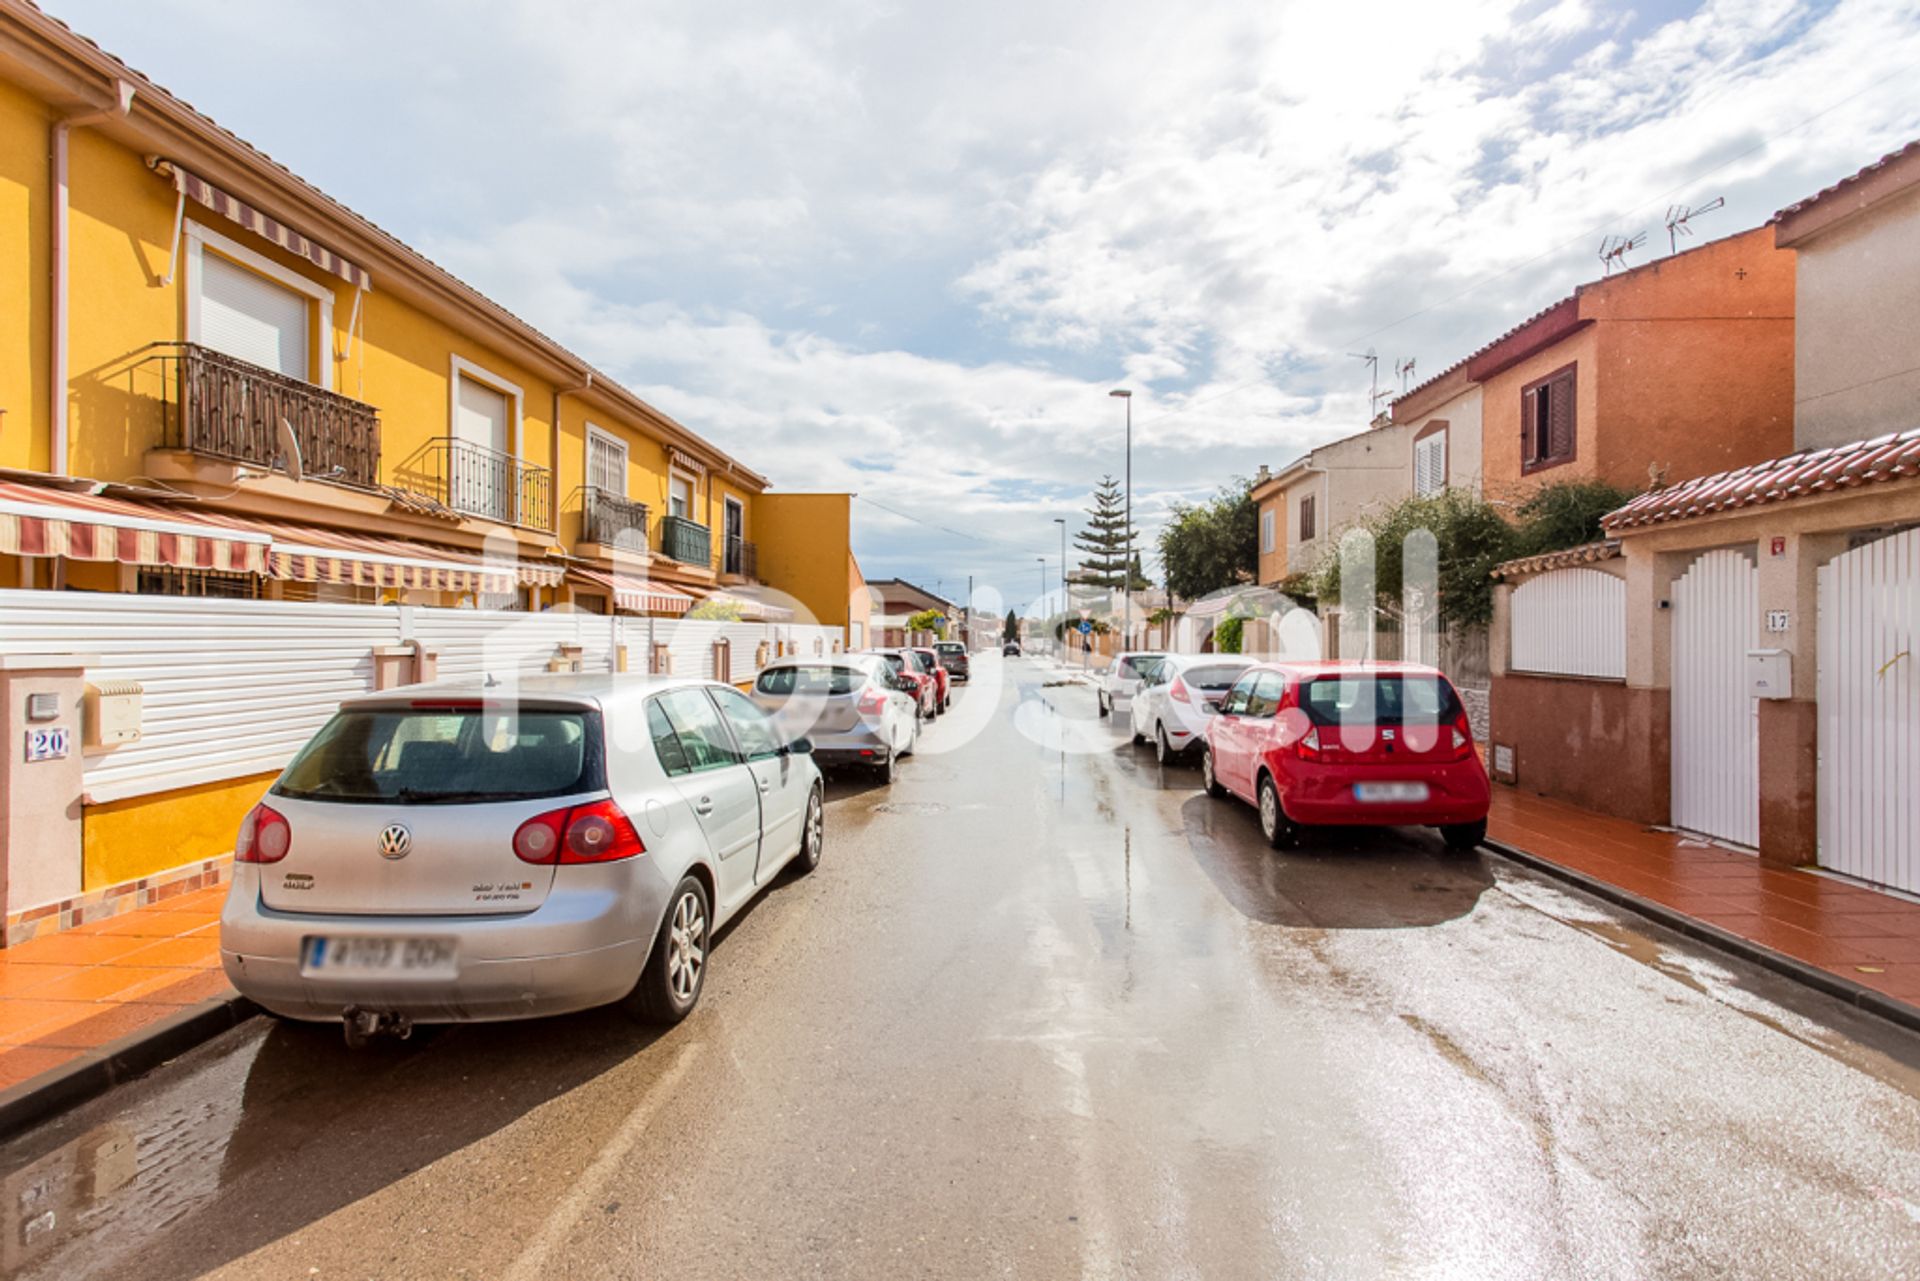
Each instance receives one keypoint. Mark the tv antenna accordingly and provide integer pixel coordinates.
(1614, 250)
(1373, 376)
(1404, 368)
(1678, 216)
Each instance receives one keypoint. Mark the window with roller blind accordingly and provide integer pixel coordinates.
(606, 462)
(1430, 464)
(249, 317)
(1547, 426)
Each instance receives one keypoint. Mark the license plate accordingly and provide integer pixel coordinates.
(408, 958)
(1402, 793)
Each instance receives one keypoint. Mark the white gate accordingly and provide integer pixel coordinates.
(1869, 691)
(1716, 738)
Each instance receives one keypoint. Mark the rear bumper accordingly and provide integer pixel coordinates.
(584, 946)
(1456, 793)
(863, 746)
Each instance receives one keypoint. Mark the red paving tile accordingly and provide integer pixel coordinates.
(68, 993)
(1856, 932)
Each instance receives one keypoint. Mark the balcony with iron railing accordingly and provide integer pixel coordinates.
(739, 558)
(686, 541)
(223, 407)
(612, 521)
(480, 482)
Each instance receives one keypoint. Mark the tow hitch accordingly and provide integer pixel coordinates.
(361, 1026)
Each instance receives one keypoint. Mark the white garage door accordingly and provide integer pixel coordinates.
(1716, 740)
(247, 316)
(1869, 691)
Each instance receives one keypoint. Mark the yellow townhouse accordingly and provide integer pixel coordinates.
(256, 455)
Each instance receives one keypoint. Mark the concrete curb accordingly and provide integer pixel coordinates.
(46, 1096)
(1823, 981)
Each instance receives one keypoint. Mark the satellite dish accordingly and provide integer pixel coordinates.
(290, 452)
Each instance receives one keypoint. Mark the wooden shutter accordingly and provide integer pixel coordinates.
(1306, 519)
(1560, 416)
(1528, 412)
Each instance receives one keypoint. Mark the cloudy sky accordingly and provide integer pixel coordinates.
(906, 249)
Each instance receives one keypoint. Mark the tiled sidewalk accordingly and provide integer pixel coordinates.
(72, 992)
(1859, 934)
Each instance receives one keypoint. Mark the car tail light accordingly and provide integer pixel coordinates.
(872, 702)
(265, 836)
(1462, 732)
(599, 832)
(1178, 692)
(1307, 746)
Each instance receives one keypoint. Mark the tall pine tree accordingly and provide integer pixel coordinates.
(1108, 543)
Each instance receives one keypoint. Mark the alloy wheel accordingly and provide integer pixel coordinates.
(1269, 812)
(687, 947)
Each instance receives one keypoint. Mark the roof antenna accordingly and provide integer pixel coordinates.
(1679, 215)
(1373, 375)
(1614, 250)
(1404, 368)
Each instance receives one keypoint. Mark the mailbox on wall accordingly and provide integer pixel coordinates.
(1769, 673)
(112, 713)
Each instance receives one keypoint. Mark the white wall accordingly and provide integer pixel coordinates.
(1856, 360)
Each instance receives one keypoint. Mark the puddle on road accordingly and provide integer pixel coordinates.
(913, 809)
(1723, 982)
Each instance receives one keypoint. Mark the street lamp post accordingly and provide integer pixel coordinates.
(1126, 571)
(1062, 522)
(1042, 562)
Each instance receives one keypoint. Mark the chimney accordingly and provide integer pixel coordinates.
(1263, 475)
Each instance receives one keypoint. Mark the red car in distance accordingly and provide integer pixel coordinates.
(919, 682)
(942, 678)
(1348, 744)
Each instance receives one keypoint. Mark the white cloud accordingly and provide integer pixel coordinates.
(907, 249)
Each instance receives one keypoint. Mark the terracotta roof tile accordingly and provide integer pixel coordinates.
(1566, 557)
(1811, 471)
(1866, 172)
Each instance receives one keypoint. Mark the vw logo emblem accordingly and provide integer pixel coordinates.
(395, 841)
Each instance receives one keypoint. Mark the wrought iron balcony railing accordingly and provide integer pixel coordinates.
(740, 557)
(481, 482)
(224, 407)
(611, 520)
(685, 541)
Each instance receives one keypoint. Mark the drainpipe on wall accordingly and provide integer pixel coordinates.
(559, 392)
(57, 302)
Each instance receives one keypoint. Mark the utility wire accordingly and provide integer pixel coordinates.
(1549, 252)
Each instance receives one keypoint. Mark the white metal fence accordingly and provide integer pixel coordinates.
(1571, 622)
(234, 687)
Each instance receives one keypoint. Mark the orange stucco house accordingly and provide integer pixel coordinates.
(1651, 376)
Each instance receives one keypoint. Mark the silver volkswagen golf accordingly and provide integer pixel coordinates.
(467, 852)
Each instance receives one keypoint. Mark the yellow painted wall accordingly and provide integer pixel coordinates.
(805, 543)
(125, 840)
(24, 287)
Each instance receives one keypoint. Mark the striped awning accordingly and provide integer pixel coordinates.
(642, 596)
(234, 209)
(752, 608)
(315, 554)
(82, 526)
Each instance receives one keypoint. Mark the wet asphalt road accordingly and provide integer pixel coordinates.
(1046, 1011)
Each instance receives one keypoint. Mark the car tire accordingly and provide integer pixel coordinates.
(1274, 823)
(1208, 781)
(676, 969)
(1464, 838)
(1162, 749)
(813, 833)
(1101, 699)
(884, 770)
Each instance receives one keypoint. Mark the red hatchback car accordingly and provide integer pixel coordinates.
(942, 678)
(1348, 744)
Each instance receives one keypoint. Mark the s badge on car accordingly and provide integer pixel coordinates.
(395, 841)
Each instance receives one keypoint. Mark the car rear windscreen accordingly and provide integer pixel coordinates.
(1379, 700)
(1221, 676)
(444, 756)
(818, 680)
(951, 647)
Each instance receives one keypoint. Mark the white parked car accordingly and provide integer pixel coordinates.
(851, 707)
(464, 852)
(1184, 691)
(1124, 677)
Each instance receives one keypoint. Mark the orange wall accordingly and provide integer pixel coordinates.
(1273, 564)
(1686, 368)
(1500, 418)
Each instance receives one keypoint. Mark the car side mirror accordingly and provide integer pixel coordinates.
(800, 747)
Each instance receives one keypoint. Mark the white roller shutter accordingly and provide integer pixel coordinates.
(482, 419)
(249, 317)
